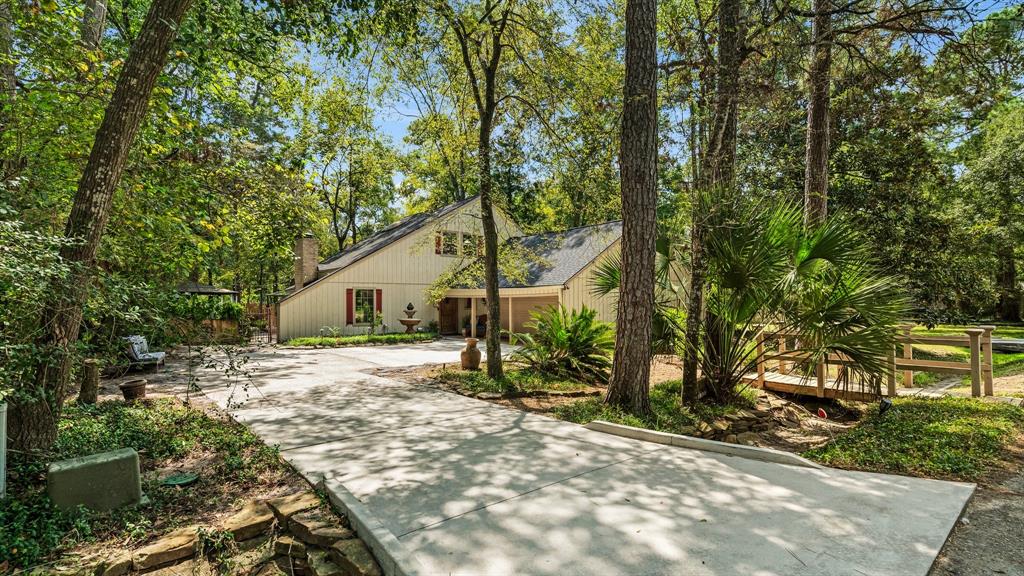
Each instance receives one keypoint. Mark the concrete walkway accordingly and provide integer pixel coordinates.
(468, 487)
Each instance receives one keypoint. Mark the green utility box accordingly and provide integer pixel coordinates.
(99, 482)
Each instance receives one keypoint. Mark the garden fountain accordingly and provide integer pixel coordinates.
(409, 322)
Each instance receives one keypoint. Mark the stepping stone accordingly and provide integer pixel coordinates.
(316, 529)
(288, 546)
(320, 564)
(191, 567)
(114, 566)
(175, 546)
(253, 520)
(285, 507)
(355, 557)
(747, 438)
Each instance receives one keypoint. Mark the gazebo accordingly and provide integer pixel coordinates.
(198, 289)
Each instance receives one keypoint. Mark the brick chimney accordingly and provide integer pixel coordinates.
(306, 258)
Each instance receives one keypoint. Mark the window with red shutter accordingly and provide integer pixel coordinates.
(379, 301)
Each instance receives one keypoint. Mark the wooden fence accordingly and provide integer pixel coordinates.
(978, 341)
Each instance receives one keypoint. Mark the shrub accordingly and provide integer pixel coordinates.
(203, 308)
(361, 339)
(567, 344)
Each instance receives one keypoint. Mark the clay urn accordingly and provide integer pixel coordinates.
(471, 355)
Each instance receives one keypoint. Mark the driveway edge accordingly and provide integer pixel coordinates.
(750, 452)
(391, 554)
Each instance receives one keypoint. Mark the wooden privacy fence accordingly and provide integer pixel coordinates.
(978, 341)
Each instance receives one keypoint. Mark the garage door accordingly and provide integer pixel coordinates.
(521, 308)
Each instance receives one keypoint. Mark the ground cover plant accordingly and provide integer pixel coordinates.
(517, 379)
(667, 412)
(166, 433)
(955, 438)
(361, 339)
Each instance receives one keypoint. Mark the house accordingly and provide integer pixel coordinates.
(385, 272)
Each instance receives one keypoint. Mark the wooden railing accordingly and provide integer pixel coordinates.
(978, 341)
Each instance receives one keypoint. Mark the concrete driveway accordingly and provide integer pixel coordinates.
(469, 487)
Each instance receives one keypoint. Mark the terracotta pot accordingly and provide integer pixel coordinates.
(471, 355)
(133, 389)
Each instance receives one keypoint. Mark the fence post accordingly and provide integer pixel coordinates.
(821, 379)
(986, 357)
(890, 388)
(975, 335)
(760, 361)
(782, 350)
(908, 354)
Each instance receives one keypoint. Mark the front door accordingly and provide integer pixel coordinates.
(448, 311)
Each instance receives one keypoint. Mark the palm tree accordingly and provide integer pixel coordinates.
(666, 325)
(768, 276)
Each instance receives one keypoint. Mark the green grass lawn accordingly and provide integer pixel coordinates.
(956, 438)
(1002, 331)
(516, 379)
(164, 432)
(361, 339)
(667, 412)
(1003, 364)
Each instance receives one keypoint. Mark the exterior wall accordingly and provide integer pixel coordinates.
(522, 307)
(402, 271)
(577, 291)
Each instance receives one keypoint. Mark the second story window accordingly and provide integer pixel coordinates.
(472, 245)
(447, 244)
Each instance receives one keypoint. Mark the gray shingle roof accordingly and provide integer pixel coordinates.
(388, 235)
(561, 255)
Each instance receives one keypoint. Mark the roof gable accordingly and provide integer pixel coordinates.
(386, 237)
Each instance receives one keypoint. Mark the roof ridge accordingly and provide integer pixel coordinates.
(571, 229)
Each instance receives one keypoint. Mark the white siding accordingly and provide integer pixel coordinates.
(402, 271)
(578, 293)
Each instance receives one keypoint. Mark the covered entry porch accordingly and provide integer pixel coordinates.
(465, 309)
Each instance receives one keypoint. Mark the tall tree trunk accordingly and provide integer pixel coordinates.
(817, 146)
(717, 172)
(11, 161)
(490, 230)
(94, 20)
(34, 421)
(631, 365)
(486, 100)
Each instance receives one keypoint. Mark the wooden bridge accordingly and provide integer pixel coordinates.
(832, 379)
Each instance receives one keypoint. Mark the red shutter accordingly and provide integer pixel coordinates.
(437, 243)
(350, 306)
(378, 301)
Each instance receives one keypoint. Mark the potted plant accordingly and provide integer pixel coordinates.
(134, 389)
(465, 326)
